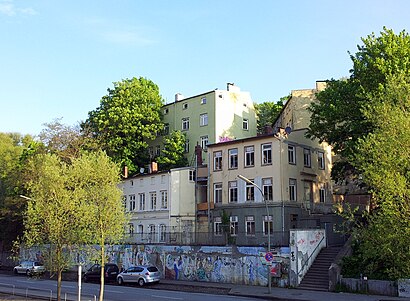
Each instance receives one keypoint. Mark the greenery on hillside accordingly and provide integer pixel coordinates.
(267, 113)
(366, 119)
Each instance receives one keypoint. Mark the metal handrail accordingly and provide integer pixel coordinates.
(306, 262)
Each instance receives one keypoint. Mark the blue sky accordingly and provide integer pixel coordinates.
(57, 58)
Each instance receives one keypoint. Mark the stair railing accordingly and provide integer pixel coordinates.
(307, 261)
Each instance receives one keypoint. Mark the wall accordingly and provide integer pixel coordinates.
(305, 245)
(237, 265)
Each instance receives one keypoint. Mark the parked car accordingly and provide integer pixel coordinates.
(29, 267)
(141, 274)
(111, 271)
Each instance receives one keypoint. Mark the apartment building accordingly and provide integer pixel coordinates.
(161, 206)
(207, 118)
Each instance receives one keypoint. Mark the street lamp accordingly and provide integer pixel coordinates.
(267, 212)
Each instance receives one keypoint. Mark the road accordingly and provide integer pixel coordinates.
(46, 287)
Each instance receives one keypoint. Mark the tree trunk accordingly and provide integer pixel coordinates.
(59, 285)
(101, 297)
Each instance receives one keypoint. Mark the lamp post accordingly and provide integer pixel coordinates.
(267, 212)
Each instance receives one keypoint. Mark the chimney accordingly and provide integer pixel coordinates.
(125, 172)
(232, 88)
(179, 97)
(198, 153)
(154, 167)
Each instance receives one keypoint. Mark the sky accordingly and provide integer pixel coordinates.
(58, 58)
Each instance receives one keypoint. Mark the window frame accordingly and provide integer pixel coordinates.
(249, 156)
(307, 157)
(267, 221)
(233, 225)
(185, 124)
(245, 124)
(292, 154)
(233, 191)
(292, 190)
(153, 200)
(233, 158)
(321, 160)
(250, 227)
(217, 156)
(141, 201)
(267, 189)
(203, 119)
(204, 142)
(218, 193)
(164, 199)
(266, 154)
(217, 226)
(250, 192)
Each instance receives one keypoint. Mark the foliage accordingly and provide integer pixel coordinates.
(128, 116)
(338, 116)
(173, 153)
(71, 205)
(12, 145)
(267, 112)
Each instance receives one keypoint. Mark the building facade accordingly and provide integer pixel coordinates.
(161, 206)
(207, 118)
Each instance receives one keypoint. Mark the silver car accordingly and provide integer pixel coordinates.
(141, 274)
(29, 268)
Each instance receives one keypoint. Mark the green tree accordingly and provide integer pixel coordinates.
(338, 117)
(98, 179)
(172, 155)
(71, 205)
(128, 116)
(267, 112)
(12, 145)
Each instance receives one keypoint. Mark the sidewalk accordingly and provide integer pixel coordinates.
(284, 293)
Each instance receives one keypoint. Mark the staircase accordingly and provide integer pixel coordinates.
(317, 278)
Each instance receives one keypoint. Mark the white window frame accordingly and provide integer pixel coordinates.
(250, 225)
(184, 106)
(233, 225)
(233, 191)
(185, 124)
(153, 200)
(217, 160)
(203, 119)
(218, 226)
(265, 224)
(204, 142)
(162, 232)
(321, 160)
(133, 203)
(203, 100)
(307, 157)
(218, 193)
(292, 190)
(164, 199)
(249, 156)
(141, 198)
(266, 154)
(233, 158)
(322, 193)
(250, 192)
(291, 154)
(245, 124)
(267, 188)
(192, 175)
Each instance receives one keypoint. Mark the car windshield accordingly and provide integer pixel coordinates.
(37, 263)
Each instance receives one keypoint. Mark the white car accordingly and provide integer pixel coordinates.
(29, 268)
(140, 274)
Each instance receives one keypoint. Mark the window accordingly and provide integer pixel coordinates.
(164, 199)
(267, 224)
(218, 225)
(233, 225)
(204, 142)
(250, 225)
(233, 158)
(162, 232)
(203, 100)
(142, 201)
(186, 146)
(131, 229)
(322, 193)
(249, 156)
(166, 129)
(192, 175)
(267, 189)
(218, 160)
(132, 183)
(132, 202)
(233, 192)
(307, 190)
(245, 124)
(321, 160)
(185, 106)
(266, 154)
(291, 154)
(203, 119)
(158, 150)
(250, 192)
(292, 189)
(141, 229)
(151, 152)
(151, 232)
(185, 124)
(166, 111)
(306, 157)
(218, 193)
(153, 200)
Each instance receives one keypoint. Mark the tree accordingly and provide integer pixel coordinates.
(173, 153)
(128, 116)
(338, 116)
(71, 205)
(12, 145)
(267, 112)
(98, 178)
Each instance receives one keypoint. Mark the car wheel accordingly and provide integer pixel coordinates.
(141, 282)
(120, 281)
